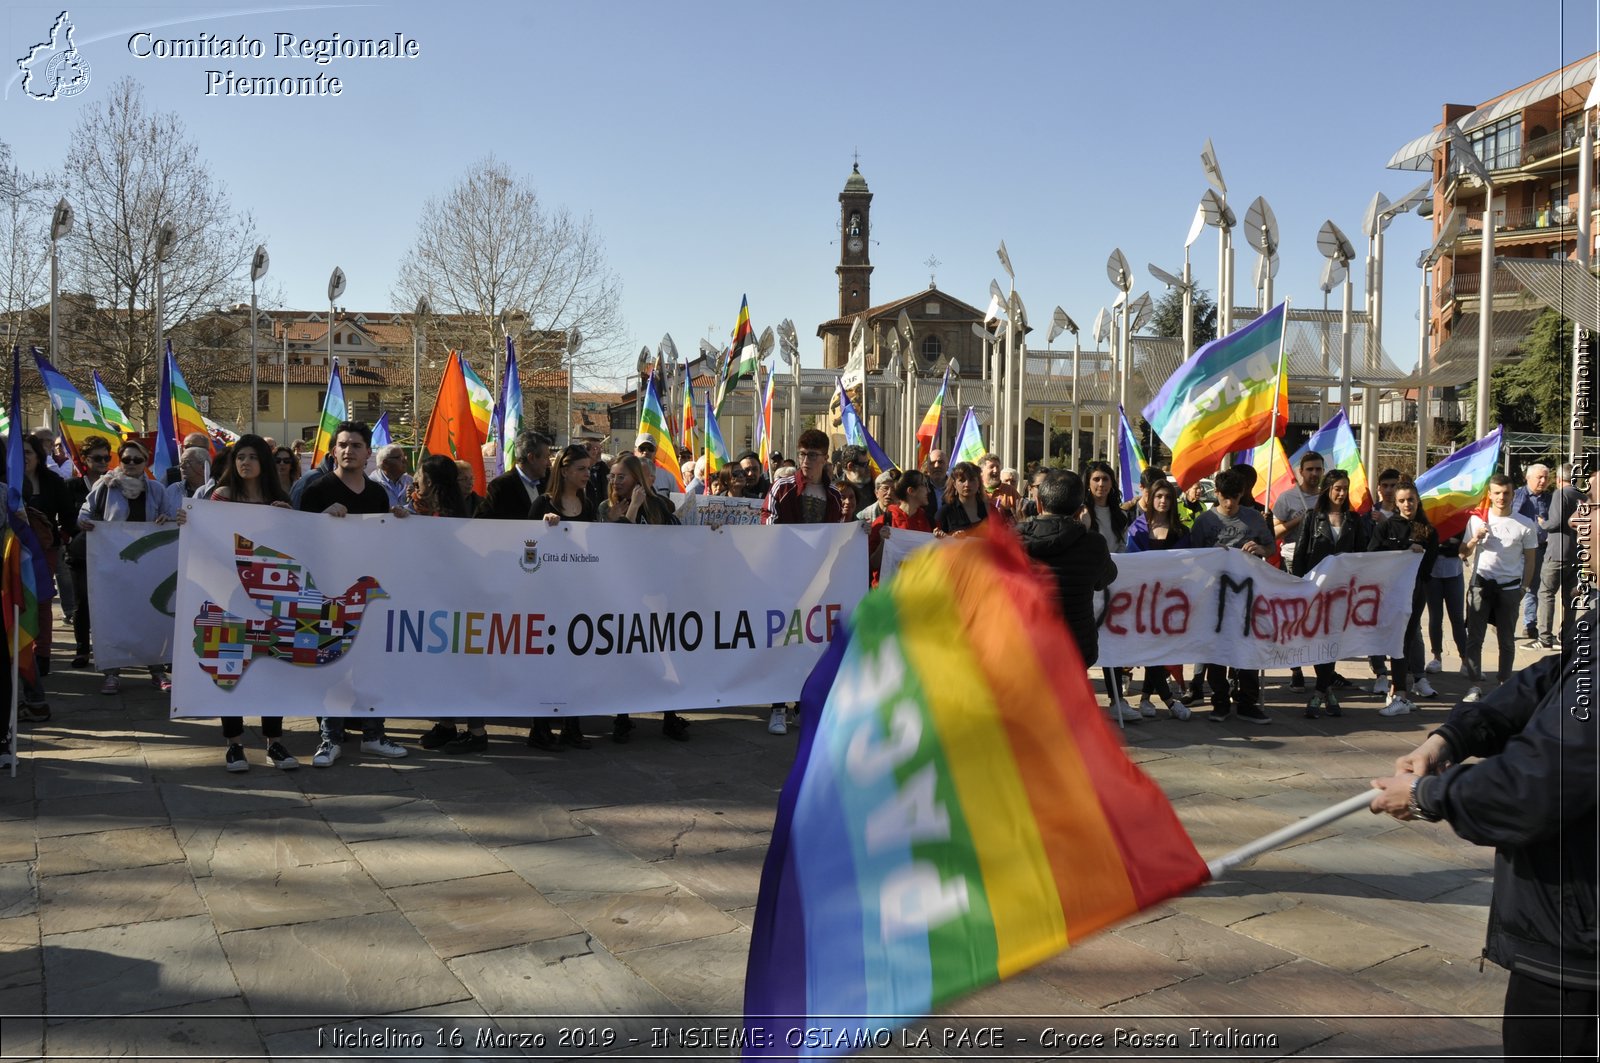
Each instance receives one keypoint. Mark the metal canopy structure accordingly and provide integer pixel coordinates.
(1563, 285)
(1418, 154)
(1456, 361)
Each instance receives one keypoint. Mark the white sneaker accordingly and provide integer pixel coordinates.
(1121, 710)
(1148, 707)
(1473, 694)
(326, 754)
(383, 746)
(1434, 666)
(1422, 688)
(1380, 685)
(777, 723)
(1179, 710)
(1398, 705)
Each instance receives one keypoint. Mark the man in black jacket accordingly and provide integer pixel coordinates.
(510, 495)
(1079, 559)
(1533, 797)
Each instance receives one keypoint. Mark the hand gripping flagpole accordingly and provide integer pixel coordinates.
(1226, 862)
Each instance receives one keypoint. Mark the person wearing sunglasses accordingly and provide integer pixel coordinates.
(125, 493)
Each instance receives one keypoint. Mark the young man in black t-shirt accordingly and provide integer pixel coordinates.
(343, 491)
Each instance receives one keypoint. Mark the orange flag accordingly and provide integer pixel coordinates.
(452, 430)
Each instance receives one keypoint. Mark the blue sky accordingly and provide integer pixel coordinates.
(709, 141)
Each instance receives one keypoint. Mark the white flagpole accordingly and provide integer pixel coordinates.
(1222, 864)
(1277, 383)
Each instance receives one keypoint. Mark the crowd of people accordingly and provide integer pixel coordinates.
(1511, 568)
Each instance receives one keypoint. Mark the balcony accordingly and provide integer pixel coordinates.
(1467, 286)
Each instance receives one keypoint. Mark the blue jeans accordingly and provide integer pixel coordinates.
(1447, 597)
(1530, 593)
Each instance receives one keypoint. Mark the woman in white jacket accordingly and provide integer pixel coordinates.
(126, 493)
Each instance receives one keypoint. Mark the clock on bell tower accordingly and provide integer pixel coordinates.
(854, 269)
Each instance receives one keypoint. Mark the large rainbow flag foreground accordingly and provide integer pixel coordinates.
(1452, 489)
(958, 811)
(1230, 395)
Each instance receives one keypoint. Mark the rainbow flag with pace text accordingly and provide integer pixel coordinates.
(653, 422)
(1452, 489)
(334, 412)
(1230, 395)
(928, 430)
(76, 417)
(959, 808)
(187, 420)
(1337, 445)
(110, 412)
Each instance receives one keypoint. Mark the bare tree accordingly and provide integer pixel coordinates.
(128, 171)
(24, 258)
(489, 246)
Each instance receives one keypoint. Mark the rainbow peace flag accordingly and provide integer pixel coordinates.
(928, 430)
(110, 412)
(1337, 445)
(691, 438)
(1130, 456)
(714, 448)
(334, 411)
(959, 808)
(1452, 489)
(969, 441)
(1270, 462)
(743, 356)
(764, 451)
(479, 399)
(1231, 394)
(76, 417)
(653, 421)
(25, 584)
(856, 434)
(508, 411)
(186, 416)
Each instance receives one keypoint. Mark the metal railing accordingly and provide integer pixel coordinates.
(1466, 285)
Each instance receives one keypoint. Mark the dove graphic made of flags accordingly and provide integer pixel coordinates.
(293, 622)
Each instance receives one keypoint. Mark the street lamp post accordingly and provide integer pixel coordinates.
(1121, 276)
(574, 341)
(1218, 213)
(166, 236)
(60, 226)
(1336, 246)
(336, 286)
(420, 312)
(258, 269)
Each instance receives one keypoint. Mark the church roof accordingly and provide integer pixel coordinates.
(855, 182)
(966, 310)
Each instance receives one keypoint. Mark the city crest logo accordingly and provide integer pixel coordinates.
(530, 560)
(54, 68)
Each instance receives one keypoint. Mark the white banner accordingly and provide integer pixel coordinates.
(295, 614)
(1226, 607)
(133, 577)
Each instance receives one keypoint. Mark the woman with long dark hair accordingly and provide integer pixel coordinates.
(964, 506)
(1408, 528)
(631, 499)
(436, 491)
(287, 465)
(907, 509)
(249, 476)
(1158, 527)
(1331, 527)
(1103, 514)
(565, 498)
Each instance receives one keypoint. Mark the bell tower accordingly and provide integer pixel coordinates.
(854, 269)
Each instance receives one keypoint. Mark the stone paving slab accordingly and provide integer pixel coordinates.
(560, 976)
(461, 916)
(358, 965)
(269, 843)
(123, 895)
(245, 900)
(136, 847)
(214, 1030)
(136, 967)
(625, 922)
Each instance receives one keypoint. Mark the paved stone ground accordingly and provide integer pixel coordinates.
(152, 904)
